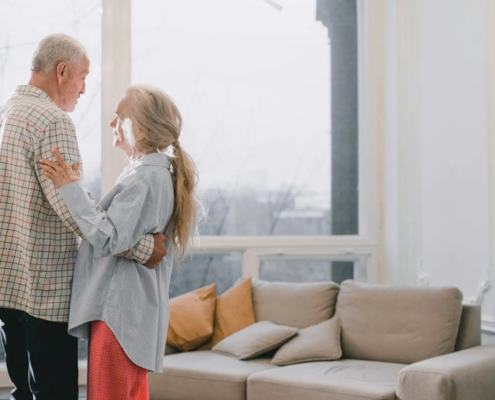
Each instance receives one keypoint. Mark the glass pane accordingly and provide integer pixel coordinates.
(23, 23)
(300, 269)
(253, 83)
(199, 270)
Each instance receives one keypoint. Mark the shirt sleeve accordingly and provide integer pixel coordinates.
(142, 251)
(60, 134)
(119, 228)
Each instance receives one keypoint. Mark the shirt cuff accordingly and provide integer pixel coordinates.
(75, 198)
(142, 251)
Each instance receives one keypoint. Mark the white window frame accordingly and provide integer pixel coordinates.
(116, 77)
(339, 248)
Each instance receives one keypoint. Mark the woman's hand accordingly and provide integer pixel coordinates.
(60, 173)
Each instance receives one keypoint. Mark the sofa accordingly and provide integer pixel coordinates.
(406, 343)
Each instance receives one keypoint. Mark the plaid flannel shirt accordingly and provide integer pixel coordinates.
(38, 237)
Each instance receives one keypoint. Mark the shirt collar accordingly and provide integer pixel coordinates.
(157, 159)
(28, 90)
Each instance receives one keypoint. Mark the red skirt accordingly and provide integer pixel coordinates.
(111, 374)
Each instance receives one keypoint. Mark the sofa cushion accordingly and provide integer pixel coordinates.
(203, 375)
(326, 380)
(255, 340)
(294, 304)
(470, 328)
(316, 343)
(401, 325)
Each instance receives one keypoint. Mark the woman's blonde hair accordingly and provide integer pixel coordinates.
(156, 124)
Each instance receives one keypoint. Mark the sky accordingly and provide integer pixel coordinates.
(23, 23)
(252, 82)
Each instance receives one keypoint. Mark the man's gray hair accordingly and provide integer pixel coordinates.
(57, 48)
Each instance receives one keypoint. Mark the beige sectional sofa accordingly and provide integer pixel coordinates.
(397, 343)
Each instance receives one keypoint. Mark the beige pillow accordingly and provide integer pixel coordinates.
(316, 343)
(294, 304)
(255, 340)
(401, 325)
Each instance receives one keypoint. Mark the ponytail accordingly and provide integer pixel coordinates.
(185, 207)
(155, 114)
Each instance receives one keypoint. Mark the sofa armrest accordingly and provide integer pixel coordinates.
(464, 375)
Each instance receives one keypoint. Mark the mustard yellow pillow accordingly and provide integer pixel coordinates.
(191, 318)
(234, 311)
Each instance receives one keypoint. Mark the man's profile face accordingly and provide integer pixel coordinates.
(73, 85)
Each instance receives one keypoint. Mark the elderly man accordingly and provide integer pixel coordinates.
(38, 238)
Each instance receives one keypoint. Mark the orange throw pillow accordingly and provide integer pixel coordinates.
(191, 318)
(234, 312)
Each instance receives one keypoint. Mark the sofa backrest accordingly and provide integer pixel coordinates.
(398, 324)
(294, 304)
(470, 328)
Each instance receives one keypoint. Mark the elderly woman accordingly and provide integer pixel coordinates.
(119, 305)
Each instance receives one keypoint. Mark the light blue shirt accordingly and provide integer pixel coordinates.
(132, 299)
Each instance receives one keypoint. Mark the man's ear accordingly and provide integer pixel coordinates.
(62, 71)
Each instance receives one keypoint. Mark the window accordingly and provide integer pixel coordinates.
(307, 268)
(202, 269)
(268, 91)
(253, 84)
(22, 25)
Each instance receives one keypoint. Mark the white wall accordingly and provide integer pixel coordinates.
(454, 162)
(438, 157)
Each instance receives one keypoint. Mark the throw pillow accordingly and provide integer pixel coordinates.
(255, 340)
(234, 311)
(317, 343)
(191, 318)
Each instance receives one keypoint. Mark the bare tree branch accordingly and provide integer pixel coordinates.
(17, 45)
(76, 22)
(224, 219)
(290, 194)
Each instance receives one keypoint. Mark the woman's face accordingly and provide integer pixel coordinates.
(118, 132)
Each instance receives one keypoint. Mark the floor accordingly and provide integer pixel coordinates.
(5, 392)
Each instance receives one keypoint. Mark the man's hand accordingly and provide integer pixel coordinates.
(159, 251)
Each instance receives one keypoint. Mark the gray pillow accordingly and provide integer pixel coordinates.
(294, 304)
(255, 340)
(316, 343)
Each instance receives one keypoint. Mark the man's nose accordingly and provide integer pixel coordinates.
(83, 89)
